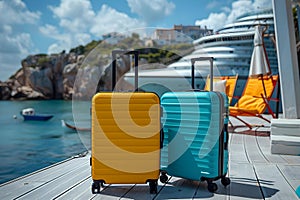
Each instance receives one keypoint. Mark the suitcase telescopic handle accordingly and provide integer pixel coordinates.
(114, 66)
(210, 59)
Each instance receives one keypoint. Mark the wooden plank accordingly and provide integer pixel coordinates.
(203, 193)
(244, 184)
(273, 184)
(52, 189)
(139, 191)
(265, 147)
(291, 174)
(237, 152)
(236, 138)
(37, 179)
(142, 192)
(114, 191)
(80, 191)
(48, 172)
(253, 151)
(291, 159)
(71, 179)
(178, 188)
(230, 138)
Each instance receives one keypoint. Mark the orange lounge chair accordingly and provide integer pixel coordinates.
(225, 83)
(255, 100)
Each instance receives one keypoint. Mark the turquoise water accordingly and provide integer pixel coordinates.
(26, 146)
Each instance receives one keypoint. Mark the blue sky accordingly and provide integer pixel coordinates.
(49, 26)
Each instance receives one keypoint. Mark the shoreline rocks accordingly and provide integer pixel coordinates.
(61, 76)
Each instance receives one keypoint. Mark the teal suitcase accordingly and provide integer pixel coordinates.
(195, 125)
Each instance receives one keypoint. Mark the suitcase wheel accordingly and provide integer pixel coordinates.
(163, 178)
(212, 187)
(153, 186)
(96, 186)
(225, 181)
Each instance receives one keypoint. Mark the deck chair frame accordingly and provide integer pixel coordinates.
(270, 86)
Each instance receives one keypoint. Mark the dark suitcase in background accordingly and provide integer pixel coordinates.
(195, 135)
(126, 138)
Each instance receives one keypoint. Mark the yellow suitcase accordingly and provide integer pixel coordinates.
(126, 139)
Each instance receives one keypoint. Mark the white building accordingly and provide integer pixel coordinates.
(179, 34)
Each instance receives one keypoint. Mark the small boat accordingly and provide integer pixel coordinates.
(74, 128)
(29, 114)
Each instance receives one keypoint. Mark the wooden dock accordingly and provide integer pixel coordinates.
(255, 173)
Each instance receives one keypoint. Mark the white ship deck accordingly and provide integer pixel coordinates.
(255, 173)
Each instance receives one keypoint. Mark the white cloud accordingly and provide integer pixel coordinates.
(64, 41)
(78, 23)
(55, 48)
(226, 9)
(16, 12)
(262, 4)
(82, 38)
(151, 11)
(15, 44)
(75, 20)
(214, 21)
(13, 49)
(239, 7)
(49, 30)
(110, 20)
(6, 29)
(74, 15)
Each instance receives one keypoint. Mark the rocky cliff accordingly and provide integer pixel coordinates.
(84, 71)
(61, 76)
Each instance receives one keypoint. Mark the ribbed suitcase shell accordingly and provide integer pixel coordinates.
(191, 135)
(125, 137)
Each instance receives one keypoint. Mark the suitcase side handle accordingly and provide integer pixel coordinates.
(114, 66)
(211, 71)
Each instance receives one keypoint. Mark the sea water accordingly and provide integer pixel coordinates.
(26, 146)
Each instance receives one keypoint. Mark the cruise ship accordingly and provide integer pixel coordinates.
(231, 47)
